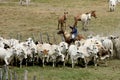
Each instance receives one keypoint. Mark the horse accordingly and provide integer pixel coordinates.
(67, 37)
(62, 21)
(84, 18)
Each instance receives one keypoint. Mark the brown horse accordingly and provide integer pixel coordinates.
(67, 36)
(62, 21)
(84, 18)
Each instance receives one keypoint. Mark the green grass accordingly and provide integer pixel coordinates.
(41, 16)
(111, 72)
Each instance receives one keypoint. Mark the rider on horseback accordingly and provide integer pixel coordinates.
(74, 32)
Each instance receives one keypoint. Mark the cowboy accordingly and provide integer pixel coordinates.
(74, 32)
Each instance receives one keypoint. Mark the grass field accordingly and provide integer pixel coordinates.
(111, 72)
(41, 16)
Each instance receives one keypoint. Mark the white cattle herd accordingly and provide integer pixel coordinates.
(92, 49)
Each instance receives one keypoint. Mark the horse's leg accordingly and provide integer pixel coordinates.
(58, 25)
(87, 23)
(62, 27)
(65, 25)
(83, 25)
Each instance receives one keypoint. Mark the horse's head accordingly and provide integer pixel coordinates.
(65, 15)
(93, 14)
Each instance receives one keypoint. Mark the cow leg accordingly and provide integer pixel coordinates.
(43, 61)
(95, 61)
(106, 64)
(26, 62)
(20, 63)
(85, 61)
(53, 63)
(72, 63)
(66, 59)
(6, 61)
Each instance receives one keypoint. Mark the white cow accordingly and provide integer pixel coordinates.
(80, 43)
(24, 2)
(103, 53)
(30, 50)
(108, 44)
(89, 52)
(22, 51)
(56, 55)
(116, 43)
(49, 53)
(7, 54)
(5, 43)
(31, 45)
(43, 52)
(74, 54)
(13, 42)
(64, 48)
(112, 5)
(26, 50)
(95, 41)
